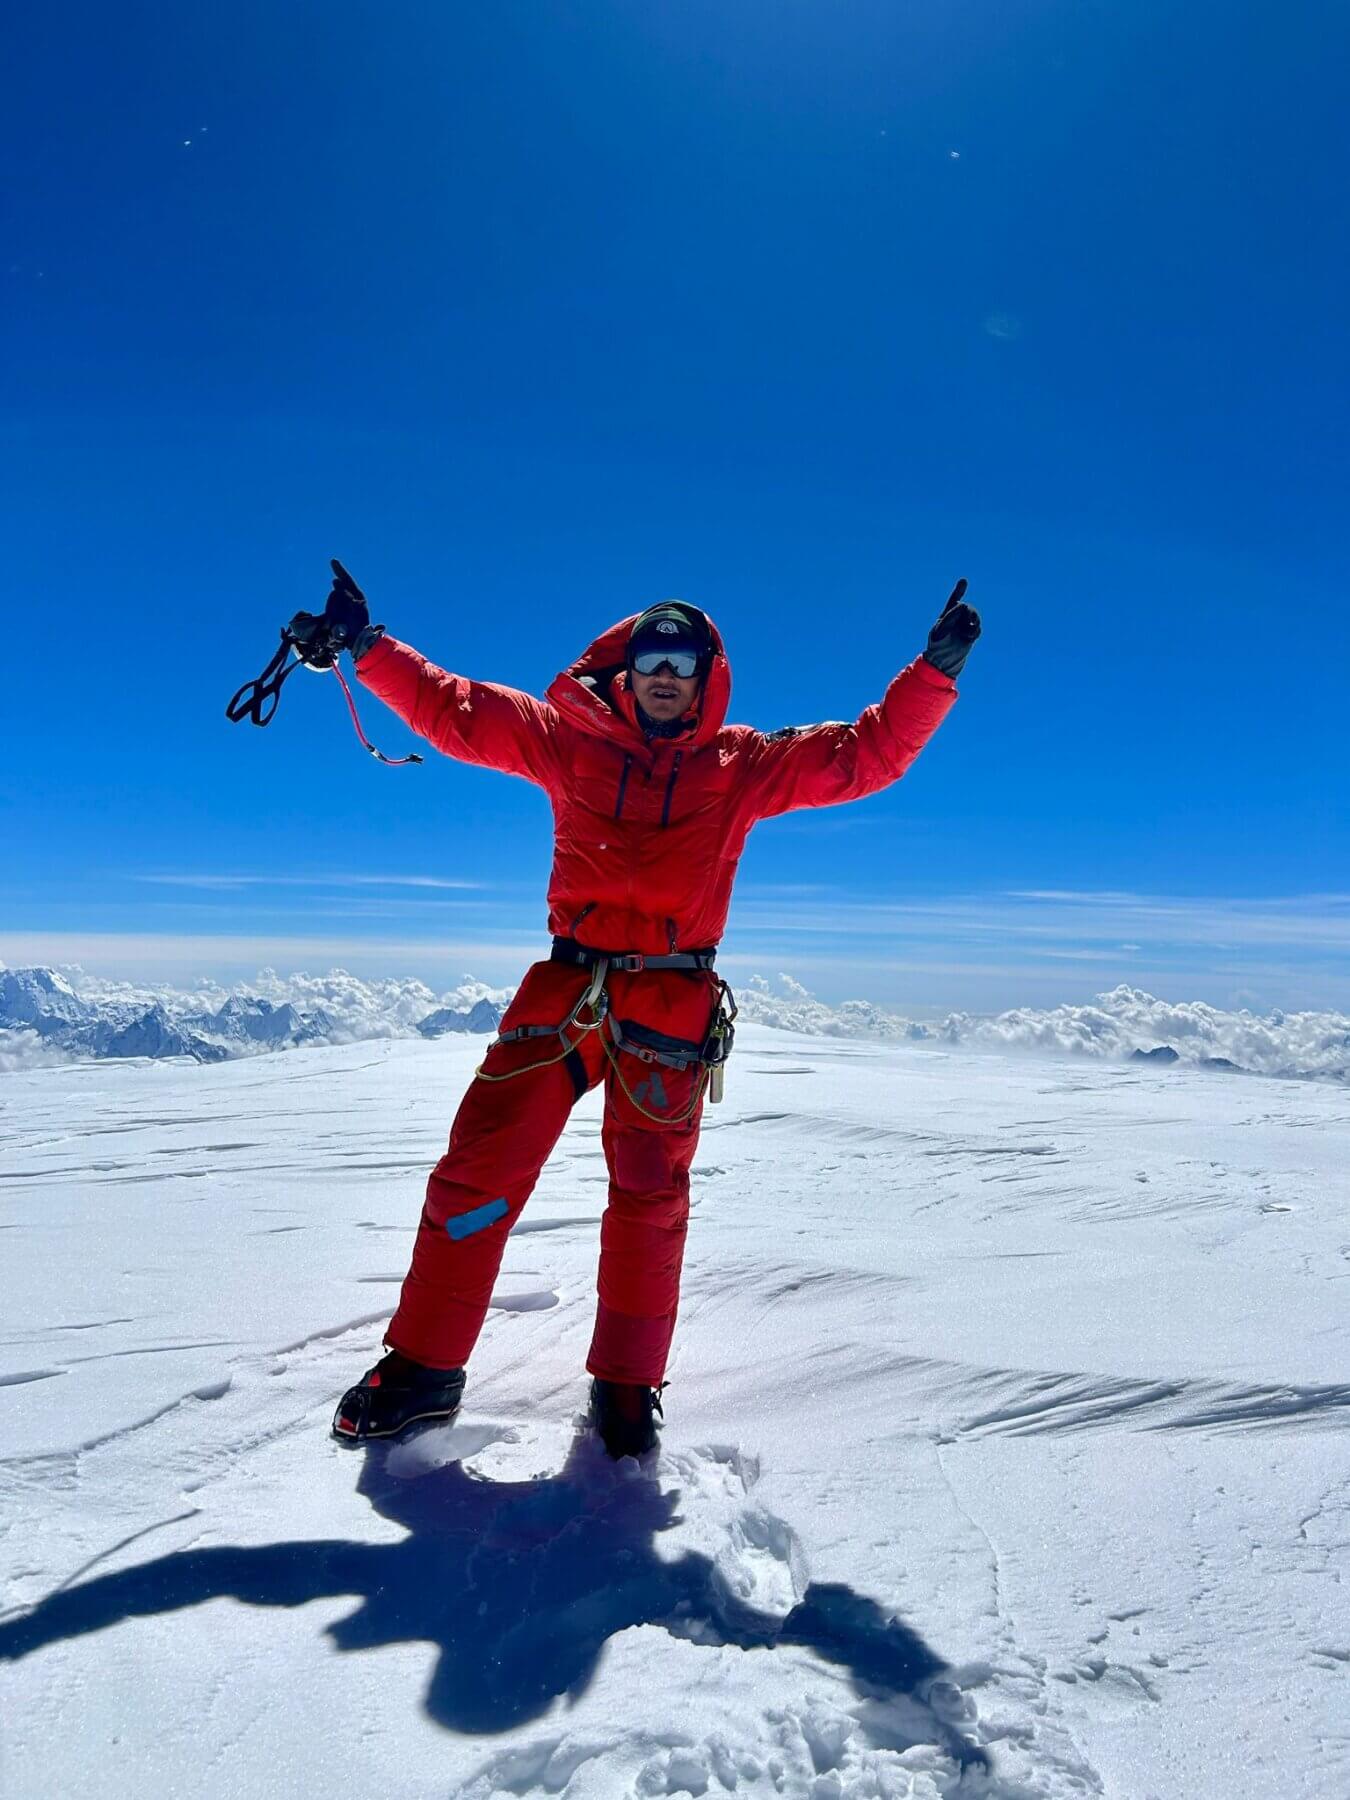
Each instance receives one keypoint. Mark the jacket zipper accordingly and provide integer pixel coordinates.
(670, 786)
(623, 783)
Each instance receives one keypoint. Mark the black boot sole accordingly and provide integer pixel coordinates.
(359, 1409)
(363, 1435)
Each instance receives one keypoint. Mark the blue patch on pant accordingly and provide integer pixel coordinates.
(478, 1220)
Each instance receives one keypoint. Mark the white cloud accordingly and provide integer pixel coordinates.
(156, 957)
(26, 1050)
(234, 882)
(927, 955)
(1314, 922)
(1110, 1027)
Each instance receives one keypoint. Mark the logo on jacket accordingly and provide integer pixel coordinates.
(656, 1088)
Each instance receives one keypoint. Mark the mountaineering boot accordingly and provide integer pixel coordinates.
(393, 1394)
(623, 1413)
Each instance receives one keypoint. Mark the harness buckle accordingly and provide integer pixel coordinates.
(632, 964)
(594, 995)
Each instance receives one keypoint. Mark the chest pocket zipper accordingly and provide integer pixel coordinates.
(623, 784)
(670, 786)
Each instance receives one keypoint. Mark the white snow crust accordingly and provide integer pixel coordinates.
(1005, 1451)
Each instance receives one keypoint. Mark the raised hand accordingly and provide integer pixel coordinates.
(957, 628)
(344, 624)
(347, 613)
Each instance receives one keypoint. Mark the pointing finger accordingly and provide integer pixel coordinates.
(956, 595)
(344, 580)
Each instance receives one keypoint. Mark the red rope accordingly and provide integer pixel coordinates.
(392, 762)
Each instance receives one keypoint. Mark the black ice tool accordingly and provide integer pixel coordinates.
(317, 640)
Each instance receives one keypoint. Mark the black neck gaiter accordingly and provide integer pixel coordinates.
(659, 728)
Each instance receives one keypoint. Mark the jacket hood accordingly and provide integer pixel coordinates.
(593, 692)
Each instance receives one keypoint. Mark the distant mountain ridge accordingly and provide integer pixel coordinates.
(482, 1016)
(44, 1002)
(49, 1015)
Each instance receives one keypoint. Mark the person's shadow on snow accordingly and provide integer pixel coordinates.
(520, 1585)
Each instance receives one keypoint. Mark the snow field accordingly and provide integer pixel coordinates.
(1004, 1455)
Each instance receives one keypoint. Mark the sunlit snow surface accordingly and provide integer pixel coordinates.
(1006, 1450)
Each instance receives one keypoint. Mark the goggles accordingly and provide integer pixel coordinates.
(680, 661)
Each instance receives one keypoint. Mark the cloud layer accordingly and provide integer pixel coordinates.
(1113, 1026)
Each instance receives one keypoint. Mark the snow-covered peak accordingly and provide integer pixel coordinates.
(248, 1018)
(31, 996)
(483, 1015)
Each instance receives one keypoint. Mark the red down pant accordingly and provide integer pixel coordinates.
(505, 1131)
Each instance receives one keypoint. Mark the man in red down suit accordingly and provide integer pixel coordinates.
(653, 798)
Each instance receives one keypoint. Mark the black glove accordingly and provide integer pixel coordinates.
(950, 639)
(344, 624)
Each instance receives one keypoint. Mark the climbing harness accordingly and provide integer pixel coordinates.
(258, 699)
(568, 950)
(640, 1042)
(593, 996)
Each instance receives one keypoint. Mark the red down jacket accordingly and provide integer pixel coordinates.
(648, 834)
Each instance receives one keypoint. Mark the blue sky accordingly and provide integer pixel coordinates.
(535, 313)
